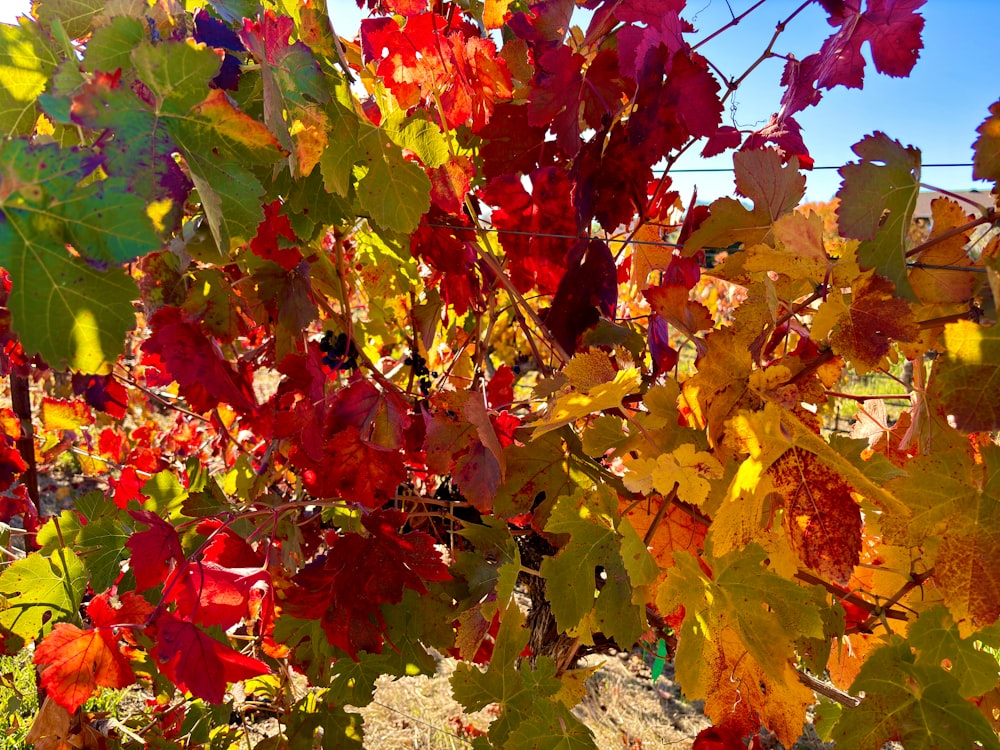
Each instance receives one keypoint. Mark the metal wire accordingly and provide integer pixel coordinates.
(659, 243)
(814, 169)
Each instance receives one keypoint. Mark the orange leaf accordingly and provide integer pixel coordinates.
(822, 519)
(77, 662)
(676, 530)
(875, 319)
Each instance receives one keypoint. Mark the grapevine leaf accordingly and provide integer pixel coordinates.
(75, 663)
(917, 705)
(587, 291)
(493, 567)
(598, 542)
(677, 529)
(821, 518)
(211, 594)
(196, 662)
(293, 85)
(686, 468)
(347, 587)
(41, 590)
(739, 692)
(536, 472)
(27, 64)
(958, 501)
(75, 16)
(550, 730)
(986, 162)
(572, 406)
(527, 221)
(766, 611)
(104, 540)
(939, 286)
(216, 139)
(938, 642)
(71, 311)
(153, 550)
(962, 383)
(140, 152)
(523, 695)
(194, 361)
(877, 198)
(775, 190)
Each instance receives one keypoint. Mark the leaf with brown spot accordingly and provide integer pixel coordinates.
(821, 518)
(875, 318)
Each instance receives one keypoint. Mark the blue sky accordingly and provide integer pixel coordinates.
(936, 109)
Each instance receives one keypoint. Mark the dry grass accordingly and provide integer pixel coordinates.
(623, 708)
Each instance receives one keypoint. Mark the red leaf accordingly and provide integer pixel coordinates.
(511, 145)
(76, 662)
(181, 351)
(723, 737)
(153, 550)
(428, 55)
(127, 488)
(725, 138)
(613, 175)
(588, 290)
(267, 244)
(347, 587)
(105, 610)
(673, 303)
(11, 463)
(661, 25)
(197, 663)
(102, 392)
(785, 133)
(526, 222)
(352, 468)
(500, 391)
(227, 548)
(891, 27)
(210, 594)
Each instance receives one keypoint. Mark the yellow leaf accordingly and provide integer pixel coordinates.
(572, 406)
(589, 369)
(494, 13)
(58, 414)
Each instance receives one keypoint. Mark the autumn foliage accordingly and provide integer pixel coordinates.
(356, 337)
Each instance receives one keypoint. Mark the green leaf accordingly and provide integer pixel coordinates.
(72, 314)
(491, 567)
(917, 705)
(963, 380)
(26, 64)
(551, 727)
(110, 47)
(877, 467)
(938, 643)
(598, 541)
(767, 612)
(40, 591)
(75, 16)
(216, 139)
(394, 191)
(103, 544)
(525, 696)
(876, 204)
(165, 493)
